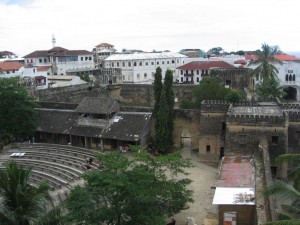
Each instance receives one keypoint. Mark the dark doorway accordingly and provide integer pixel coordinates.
(221, 152)
(291, 93)
(208, 148)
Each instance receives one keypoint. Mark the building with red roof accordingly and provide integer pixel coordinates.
(194, 71)
(235, 191)
(286, 57)
(60, 60)
(10, 67)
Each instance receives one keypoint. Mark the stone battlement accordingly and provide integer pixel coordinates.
(289, 106)
(254, 120)
(215, 106)
(294, 116)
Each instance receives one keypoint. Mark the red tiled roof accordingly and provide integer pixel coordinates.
(285, 57)
(205, 65)
(73, 52)
(7, 66)
(104, 45)
(250, 57)
(240, 61)
(236, 171)
(43, 68)
(39, 77)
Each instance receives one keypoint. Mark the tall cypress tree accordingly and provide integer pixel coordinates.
(161, 124)
(157, 89)
(164, 119)
(168, 86)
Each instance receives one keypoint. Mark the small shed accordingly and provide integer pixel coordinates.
(235, 191)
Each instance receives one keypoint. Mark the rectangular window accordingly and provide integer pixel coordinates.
(197, 72)
(86, 58)
(207, 148)
(40, 60)
(45, 60)
(274, 140)
(81, 58)
(138, 76)
(157, 63)
(118, 64)
(145, 75)
(123, 64)
(163, 62)
(141, 63)
(152, 63)
(146, 63)
(112, 64)
(242, 139)
(167, 62)
(177, 60)
(181, 72)
(129, 63)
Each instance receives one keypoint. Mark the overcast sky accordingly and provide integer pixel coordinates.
(28, 25)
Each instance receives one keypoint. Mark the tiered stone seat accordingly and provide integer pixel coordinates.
(60, 165)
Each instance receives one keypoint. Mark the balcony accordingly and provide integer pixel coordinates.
(188, 74)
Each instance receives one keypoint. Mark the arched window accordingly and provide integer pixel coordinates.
(290, 77)
(294, 77)
(287, 77)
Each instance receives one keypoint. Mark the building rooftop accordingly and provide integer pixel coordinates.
(137, 56)
(236, 171)
(205, 65)
(234, 196)
(286, 57)
(263, 110)
(7, 66)
(98, 105)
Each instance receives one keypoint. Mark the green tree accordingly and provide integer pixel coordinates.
(168, 87)
(270, 88)
(287, 192)
(209, 89)
(21, 203)
(85, 77)
(157, 89)
(233, 95)
(266, 62)
(162, 133)
(142, 189)
(18, 117)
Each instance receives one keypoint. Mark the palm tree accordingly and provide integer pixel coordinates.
(287, 192)
(270, 88)
(266, 62)
(21, 203)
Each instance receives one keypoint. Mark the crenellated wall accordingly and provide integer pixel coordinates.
(256, 120)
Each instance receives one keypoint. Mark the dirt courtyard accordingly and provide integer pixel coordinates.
(204, 176)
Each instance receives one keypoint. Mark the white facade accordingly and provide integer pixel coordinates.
(62, 81)
(61, 60)
(139, 68)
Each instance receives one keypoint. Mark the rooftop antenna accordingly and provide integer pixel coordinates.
(53, 41)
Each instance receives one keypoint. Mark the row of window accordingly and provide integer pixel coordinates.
(290, 77)
(140, 63)
(192, 72)
(62, 59)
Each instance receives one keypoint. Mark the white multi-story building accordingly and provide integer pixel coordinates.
(61, 60)
(101, 52)
(139, 68)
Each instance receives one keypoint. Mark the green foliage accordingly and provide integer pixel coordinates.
(187, 104)
(157, 89)
(266, 62)
(142, 189)
(164, 120)
(234, 95)
(85, 77)
(21, 203)
(209, 89)
(270, 88)
(287, 191)
(18, 117)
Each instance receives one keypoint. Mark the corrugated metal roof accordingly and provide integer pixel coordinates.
(137, 56)
(234, 196)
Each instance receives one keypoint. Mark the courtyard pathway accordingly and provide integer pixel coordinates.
(204, 176)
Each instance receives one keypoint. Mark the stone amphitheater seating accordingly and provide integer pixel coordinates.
(60, 165)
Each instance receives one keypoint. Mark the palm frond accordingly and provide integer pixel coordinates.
(282, 190)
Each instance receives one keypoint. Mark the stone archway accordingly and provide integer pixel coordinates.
(292, 93)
